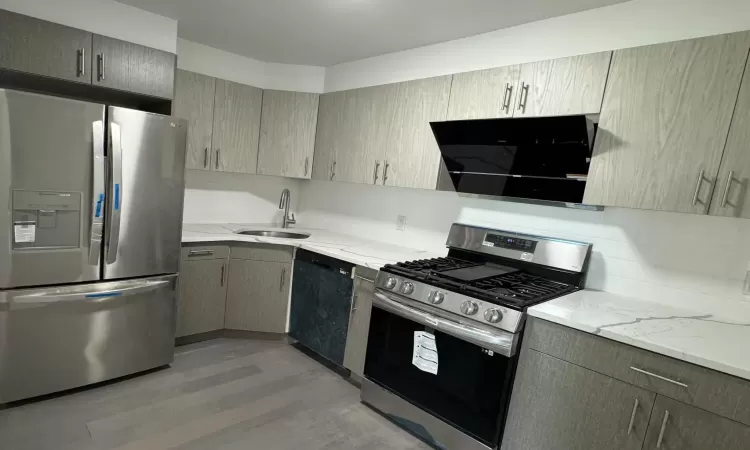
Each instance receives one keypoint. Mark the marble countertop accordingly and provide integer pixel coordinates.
(698, 337)
(352, 249)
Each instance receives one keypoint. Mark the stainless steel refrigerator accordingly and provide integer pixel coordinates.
(89, 244)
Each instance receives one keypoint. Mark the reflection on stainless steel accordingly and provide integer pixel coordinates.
(64, 337)
(423, 424)
(276, 234)
(486, 337)
(286, 199)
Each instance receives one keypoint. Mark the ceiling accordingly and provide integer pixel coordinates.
(327, 32)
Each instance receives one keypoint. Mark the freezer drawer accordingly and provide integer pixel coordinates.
(53, 339)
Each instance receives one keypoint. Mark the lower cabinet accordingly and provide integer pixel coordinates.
(677, 426)
(359, 320)
(202, 291)
(258, 296)
(557, 405)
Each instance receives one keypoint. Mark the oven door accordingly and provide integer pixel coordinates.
(471, 389)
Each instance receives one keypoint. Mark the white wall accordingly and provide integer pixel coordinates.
(630, 24)
(105, 17)
(212, 197)
(229, 66)
(674, 258)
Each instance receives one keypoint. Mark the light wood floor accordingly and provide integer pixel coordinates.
(222, 394)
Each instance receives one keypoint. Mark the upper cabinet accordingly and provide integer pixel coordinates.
(236, 127)
(731, 193)
(44, 48)
(134, 68)
(287, 133)
(664, 124)
(194, 101)
(557, 87)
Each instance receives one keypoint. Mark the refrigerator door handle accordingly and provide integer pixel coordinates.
(44, 298)
(98, 196)
(116, 190)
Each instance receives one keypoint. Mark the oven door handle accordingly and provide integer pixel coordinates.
(498, 341)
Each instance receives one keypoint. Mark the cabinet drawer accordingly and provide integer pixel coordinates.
(263, 252)
(200, 252)
(714, 391)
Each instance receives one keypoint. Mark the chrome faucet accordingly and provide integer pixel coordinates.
(286, 199)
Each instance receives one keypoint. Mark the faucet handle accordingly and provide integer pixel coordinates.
(291, 220)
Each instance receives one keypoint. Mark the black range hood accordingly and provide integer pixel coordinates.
(540, 160)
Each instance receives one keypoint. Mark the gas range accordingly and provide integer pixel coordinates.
(490, 276)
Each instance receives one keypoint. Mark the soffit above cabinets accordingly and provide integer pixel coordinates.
(327, 32)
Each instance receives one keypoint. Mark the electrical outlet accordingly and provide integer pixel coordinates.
(401, 223)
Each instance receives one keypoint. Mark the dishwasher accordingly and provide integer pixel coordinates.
(322, 290)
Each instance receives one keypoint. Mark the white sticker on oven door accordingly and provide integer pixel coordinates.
(24, 232)
(527, 256)
(425, 356)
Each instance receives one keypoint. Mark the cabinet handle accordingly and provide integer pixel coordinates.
(726, 189)
(668, 380)
(354, 305)
(506, 97)
(523, 97)
(205, 158)
(100, 66)
(385, 172)
(307, 162)
(701, 177)
(632, 416)
(222, 275)
(200, 253)
(663, 427)
(216, 166)
(82, 62)
(333, 170)
(375, 175)
(281, 280)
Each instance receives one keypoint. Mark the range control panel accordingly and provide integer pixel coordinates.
(509, 242)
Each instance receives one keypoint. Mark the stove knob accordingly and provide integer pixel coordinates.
(390, 283)
(436, 297)
(493, 315)
(407, 288)
(469, 308)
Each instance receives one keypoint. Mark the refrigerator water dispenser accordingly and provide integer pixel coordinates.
(46, 219)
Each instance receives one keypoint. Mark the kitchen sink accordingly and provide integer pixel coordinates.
(275, 234)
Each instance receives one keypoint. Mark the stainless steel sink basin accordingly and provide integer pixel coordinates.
(275, 234)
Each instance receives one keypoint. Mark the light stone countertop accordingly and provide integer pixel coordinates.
(352, 249)
(698, 337)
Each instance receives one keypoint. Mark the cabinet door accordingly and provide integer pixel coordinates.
(44, 48)
(152, 71)
(258, 296)
(560, 406)
(412, 154)
(677, 426)
(202, 296)
(731, 194)
(484, 94)
(236, 127)
(561, 87)
(287, 133)
(110, 62)
(359, 326)
(664, 124)
(331, 113)
(194, 101)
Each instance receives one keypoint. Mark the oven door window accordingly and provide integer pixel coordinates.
(470, 390)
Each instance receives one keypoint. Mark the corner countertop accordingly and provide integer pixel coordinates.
(697, 337)
(355, 250)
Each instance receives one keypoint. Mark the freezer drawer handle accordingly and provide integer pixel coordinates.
(51, 297)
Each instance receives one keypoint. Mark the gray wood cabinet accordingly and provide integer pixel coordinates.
(331, 112)
(359, 320)
(194, 101)
(202, 290)
(110, 62)
(287, 133)
(258, 296)
(560, 406)
(44, 48)
(564, 86)
(677, 426)
(236, 127)
(484, 94)
(731, 197)
(664, 123)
